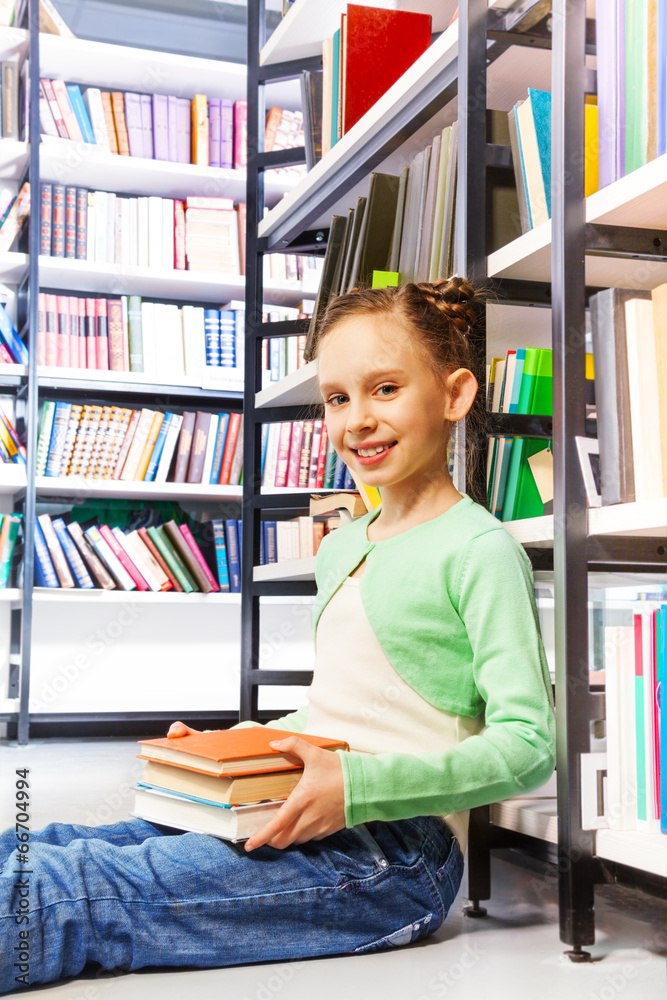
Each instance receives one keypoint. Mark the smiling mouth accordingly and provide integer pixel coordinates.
(370, 452)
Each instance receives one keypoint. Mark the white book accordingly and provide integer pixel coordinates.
(644, 406)
(168, 233)
(148, 337)
(133, 215)
(135, 540)
(202, 816)
(168, 450)
(102, 548)
(101, 222)
(125, 231)
(292, 355)
(138, 442)
(510, 365)
(174, 342)
(137, 558)
(46, 123)
(210, 448)
(111, 228)
(92, 98)
(614, 788)
(271, 460)
(91, 237)
(162, 353)
(142, 231)
(294, 538)
(194, 347)
(306, 547)
(530, 155)
(283, 540)
(155, 248)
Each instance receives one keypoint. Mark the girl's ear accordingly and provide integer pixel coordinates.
(461, 387)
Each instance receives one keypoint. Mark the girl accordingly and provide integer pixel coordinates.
(429, 663)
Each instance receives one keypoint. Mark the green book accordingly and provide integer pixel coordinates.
(167, 553)
(335, 87)
(527, 377)
(636, 83)
(8, 550)
(177, 557)
(44, 437)
(522, 498)
(536, 392)
(135, 333)
(329, 467)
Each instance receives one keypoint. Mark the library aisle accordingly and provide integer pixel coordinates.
(513, 953)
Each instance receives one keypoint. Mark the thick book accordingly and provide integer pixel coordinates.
(231, 752)
(224, 791)
(175, 566)
(81, 574)
(187, 556)
(45, 574)
(94, 564)
(200, 816)
(60, 564)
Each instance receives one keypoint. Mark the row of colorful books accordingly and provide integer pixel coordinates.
(211, 132)
(281, 356)
(631, 85)
(158, 557)
(294, 538)
(147, 231)
(10, 525)
(226, 783)
(636, 729)
(147, 445)
(299, 453)
(128, 334)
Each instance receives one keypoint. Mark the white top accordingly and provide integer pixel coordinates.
(385, 715)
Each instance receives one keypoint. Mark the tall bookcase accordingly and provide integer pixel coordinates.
(543, 279)
(206, 688)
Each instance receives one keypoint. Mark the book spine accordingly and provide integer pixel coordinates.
(14, 521)
(58, 434)
(148, 562)
(232, 541)
(79, 108)
(214, 134)
(160, 127)
(45, 217)
(196, 551)
(135, 135)
(109, 122)
(183, 551)
(101, 335)
(240, 135)
(58, 221)
(104, 551)
(183, 113)
(134, 559)
(70, 438)
(198, 449)
(226, 133)
(115, 334)
(230, 445)
(157, 555)
(118, 108)
(179, 234)
(44, 438)
(135, 333)
(65, 105)
(167, 554)
(221, 436)
(54, 108)
(221, 554)
(47, 576)
(103, 578)
(60, 565)
(147, 124)
(81, 574)
(122, 556)
(200, 130)
(212, 336)
(184, 446)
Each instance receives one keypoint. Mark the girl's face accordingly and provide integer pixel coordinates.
(385, 410)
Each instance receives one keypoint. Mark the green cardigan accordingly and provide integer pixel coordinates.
(451, 602)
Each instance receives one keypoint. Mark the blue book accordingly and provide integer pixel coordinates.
(58, 434)
(264, 445)
(540, 102)
(262, 543)
(662, 667)
(274, 358)
(339, 473)
(79, 108)
(271, 542)
(81, 574)
(221, 437)
(212, 336)
(239, 337)
(335, 87)
(523, 167)
(11, 339)
(348, 482)
(218, 526)
(516, 382)
(233, 559)
(227, 338)
(239, 532)
(45, 574)
(158, 448)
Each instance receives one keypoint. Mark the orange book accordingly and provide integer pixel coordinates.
(230, 444)
(119, 430)
(118, 108)
(272, 122)
(241, 217)
(231, 751)
(200, 130)
(109, 122)
(144, 458)
(127, 441)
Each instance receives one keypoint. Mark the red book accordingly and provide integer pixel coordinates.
(91, 342)
(63, 331)
(230, 443)
(70, 222)
(240, 135)
(58, 221)
(73, 312)
(45, 220)
(101, 334)
(151, 546)
(41, 328)
(294, 462)
(321, 458)
(194, 548)
(120, 553)
(47, 90)
(283, 453)
(51, 331)
(179, 234)
(81, 223)
(379, 46)
(83, 333)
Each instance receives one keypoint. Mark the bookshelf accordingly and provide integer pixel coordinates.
(543, 280)
(66, 615)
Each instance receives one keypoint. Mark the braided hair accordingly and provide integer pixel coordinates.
(441, 316)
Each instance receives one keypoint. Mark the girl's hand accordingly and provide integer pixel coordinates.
(180, 729)
(315, 808)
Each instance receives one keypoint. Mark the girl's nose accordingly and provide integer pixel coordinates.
(359, 418)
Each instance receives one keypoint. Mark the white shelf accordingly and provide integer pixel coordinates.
(13, 159)
(13, 43)
(115, 381)
(12, 371)
(287, 569)
(638, 200)
(646, 518)
(299, 388)
(13, 267)
(10, 595)
(300, 33)
(12, 479)
(361, 136)
(86, 165)
(646, 851)
(119, 279)
(55, 595)
(80, 488)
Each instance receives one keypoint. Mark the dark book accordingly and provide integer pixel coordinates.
(378, 229)
(70, 222)
(198, 449)
(58, 221)
(46, 209)
(94, 564)
(311, 102)
(184, 446)
(81, 223)
(336, 235)
(187, 556)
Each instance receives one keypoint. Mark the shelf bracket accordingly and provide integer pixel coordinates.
(626, 241)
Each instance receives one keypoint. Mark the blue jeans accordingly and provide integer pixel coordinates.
(134, 894)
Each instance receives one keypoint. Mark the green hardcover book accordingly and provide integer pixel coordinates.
(335, 87)
(44, 437)
(502, 478)
(522, 498)
(8, 550)
(527, 379)
(636, 83)
(176, 555)
(491, 473)
(542, 396)
(166, 550)
(135, 333)
(329, 467)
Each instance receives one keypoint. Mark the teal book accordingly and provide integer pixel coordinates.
(76, 100)
(335, 88)
(218, 526)
(8, 548)
(516, 383)
(540, 102)
(522, 498)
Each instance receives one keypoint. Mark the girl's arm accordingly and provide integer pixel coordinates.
(516, 751)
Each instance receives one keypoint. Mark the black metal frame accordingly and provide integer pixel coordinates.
(483, 36)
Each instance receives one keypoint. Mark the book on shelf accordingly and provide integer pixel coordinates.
(12, 221)
(629, 348)
(230, 752)
(10, 528)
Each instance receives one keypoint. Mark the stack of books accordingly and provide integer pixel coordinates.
(227, 783)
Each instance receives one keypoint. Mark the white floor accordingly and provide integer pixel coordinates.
(514, 952)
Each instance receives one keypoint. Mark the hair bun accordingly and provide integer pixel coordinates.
(455, 297)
